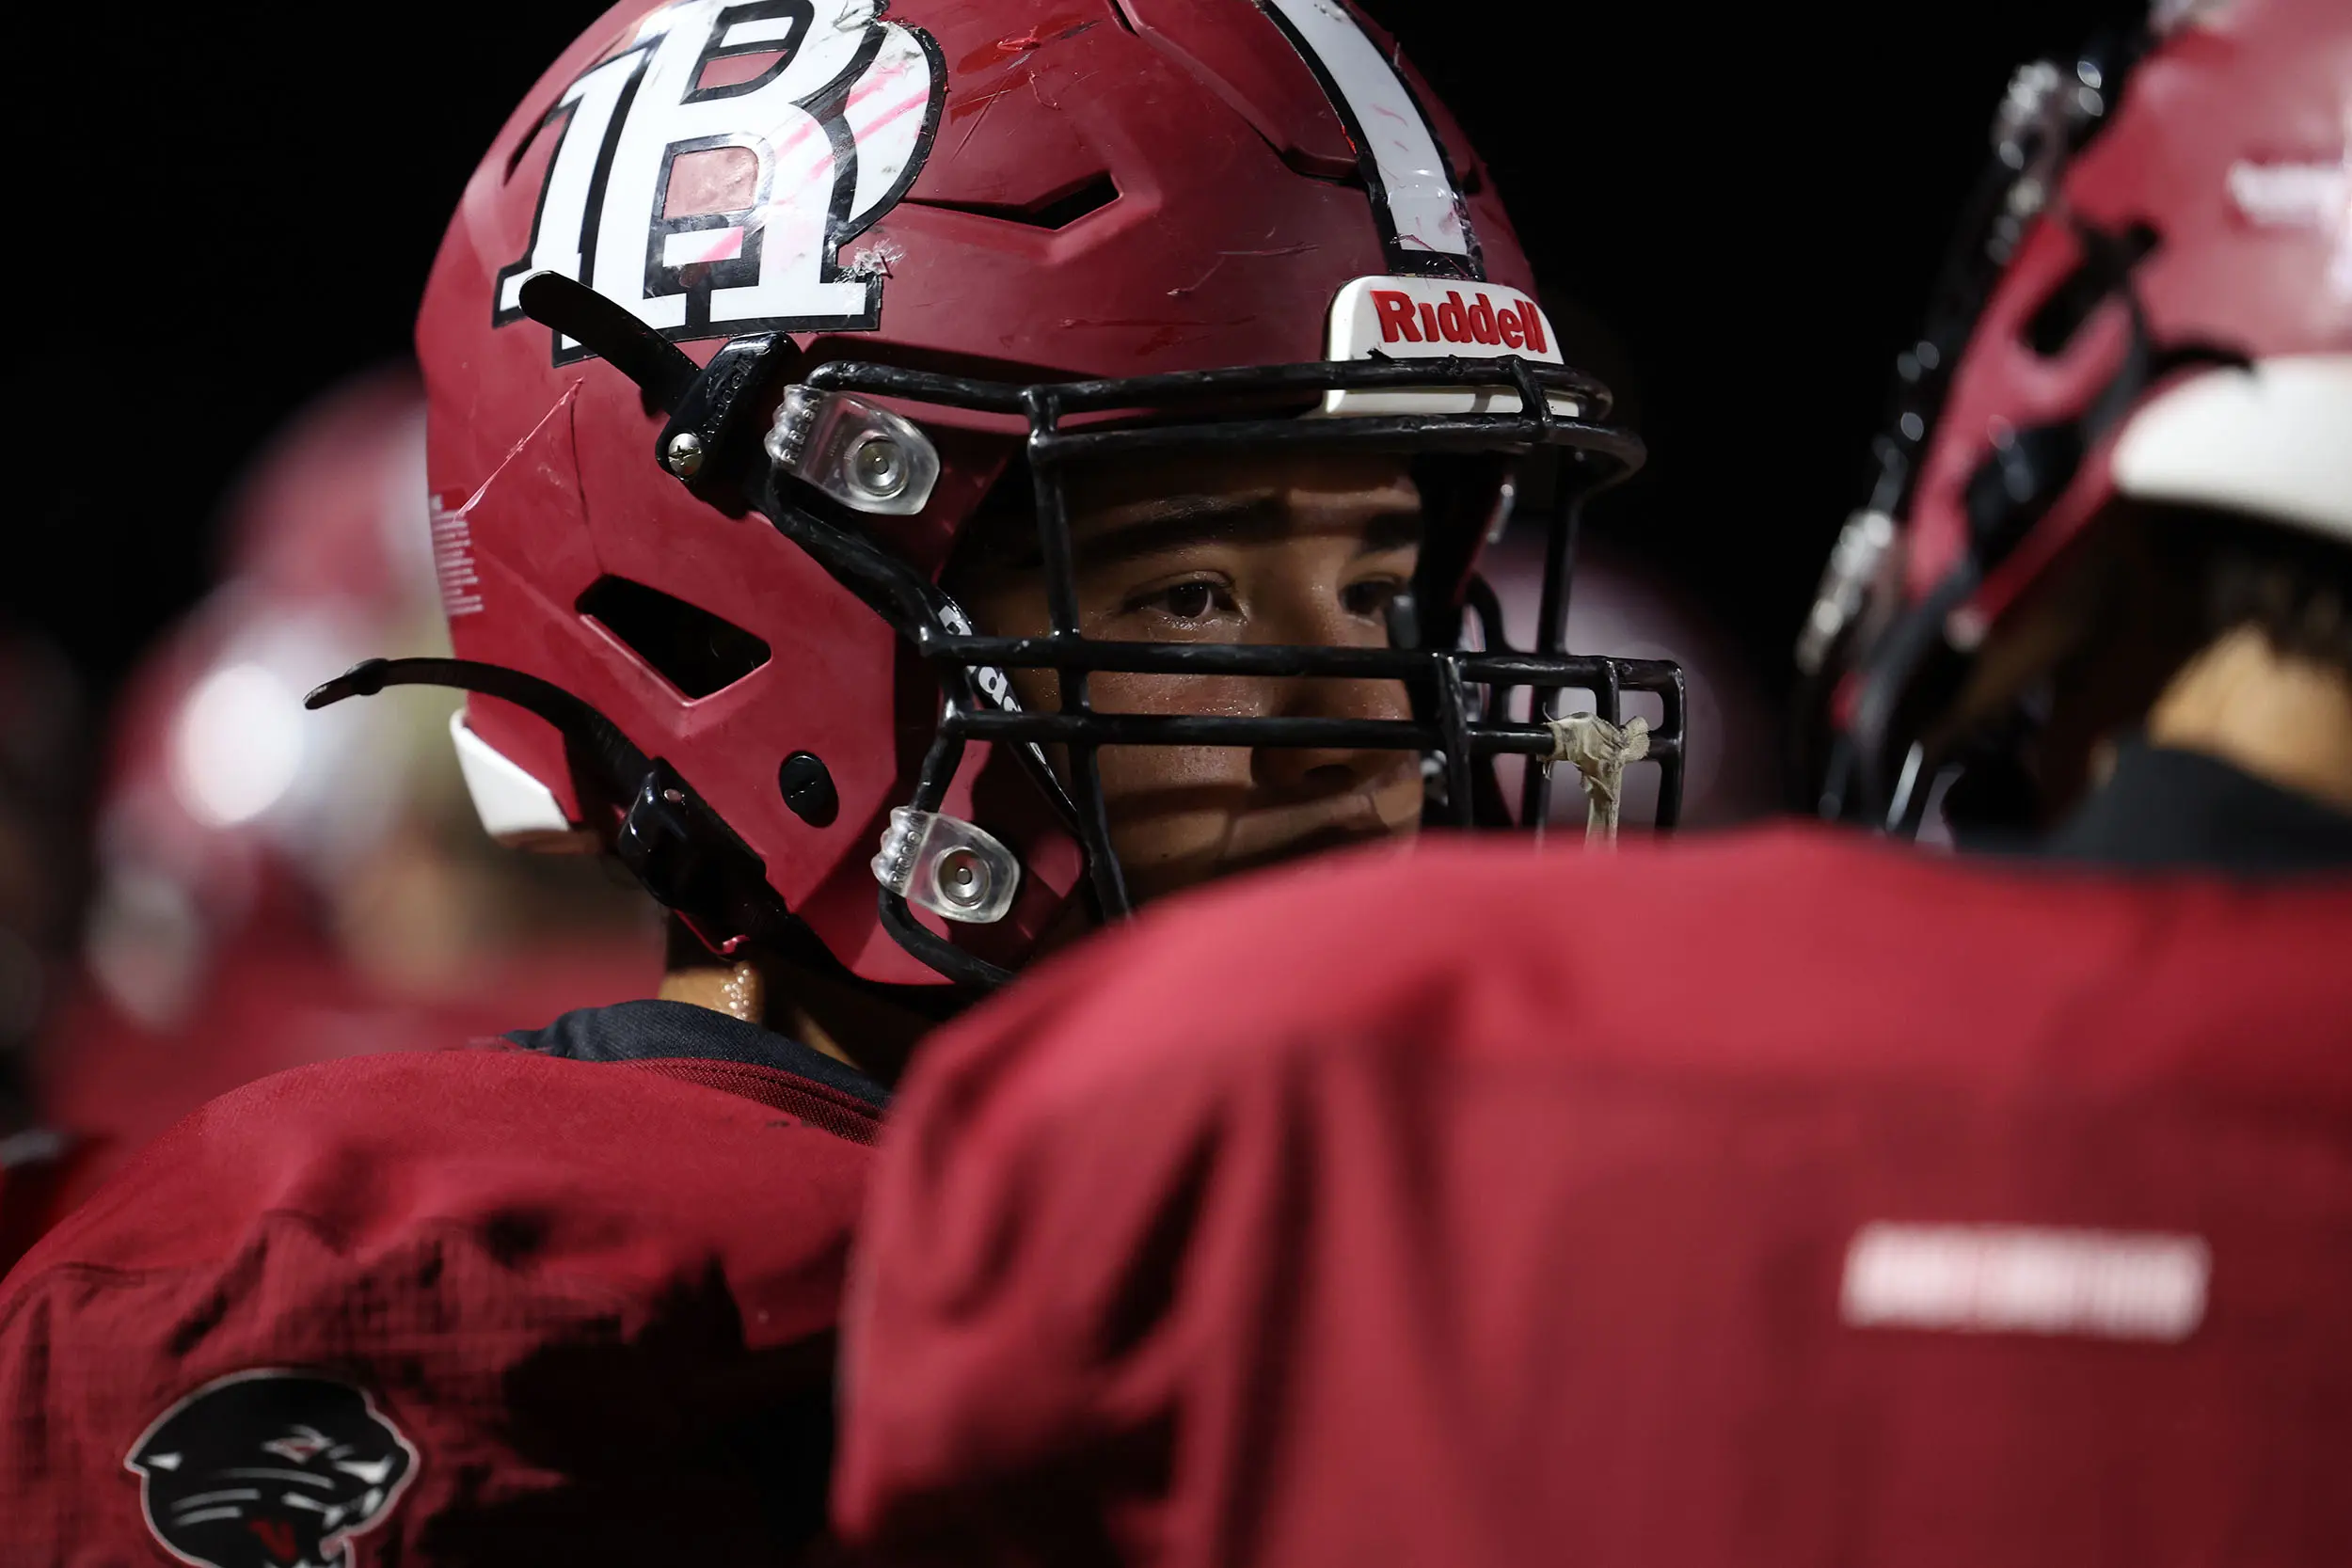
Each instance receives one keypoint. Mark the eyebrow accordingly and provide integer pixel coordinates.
(1183, 520)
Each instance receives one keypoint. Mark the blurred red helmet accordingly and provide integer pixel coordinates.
(223, 800)
(939, 243)
(2152, 300)
(275, 887)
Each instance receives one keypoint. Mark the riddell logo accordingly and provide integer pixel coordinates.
(1479, 320)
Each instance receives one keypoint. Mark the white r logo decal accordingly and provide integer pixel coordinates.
(705, 177)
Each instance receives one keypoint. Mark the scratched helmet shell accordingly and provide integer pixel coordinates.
(824, 275)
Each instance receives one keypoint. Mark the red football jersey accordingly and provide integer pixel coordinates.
(485, 1306)
(1786, 1199)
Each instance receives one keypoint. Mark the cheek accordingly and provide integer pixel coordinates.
(1175, 781)
(1210, 696)
(1172, 833)
(1126, 691)
(1399, 800)
(1146, 779)
(1167, 804)
(1170, 805)
(1039, 691)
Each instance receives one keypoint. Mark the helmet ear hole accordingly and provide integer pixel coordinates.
(1052, 212)
(807, 787)
(696, 651)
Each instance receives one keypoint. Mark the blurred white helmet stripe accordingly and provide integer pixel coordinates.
(2274, 442)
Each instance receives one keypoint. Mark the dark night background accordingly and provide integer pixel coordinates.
(244, 204)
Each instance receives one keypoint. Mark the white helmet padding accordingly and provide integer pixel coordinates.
(2273, 443)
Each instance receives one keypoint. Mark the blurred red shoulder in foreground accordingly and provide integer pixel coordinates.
(1768, 1201)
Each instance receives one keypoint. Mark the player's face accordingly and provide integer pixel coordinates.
(1247, 550)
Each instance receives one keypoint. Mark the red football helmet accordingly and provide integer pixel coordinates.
(921, 252)
(2151, 299)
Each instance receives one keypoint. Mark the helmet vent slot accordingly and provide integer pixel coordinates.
(1059, 210)
(522, 150)
(693, 650)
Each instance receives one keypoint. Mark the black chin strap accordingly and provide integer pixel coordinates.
(616, 762)
(669, 838)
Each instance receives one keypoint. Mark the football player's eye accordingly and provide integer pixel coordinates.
(1189, 601)
(1193, 600)
(1369, 598)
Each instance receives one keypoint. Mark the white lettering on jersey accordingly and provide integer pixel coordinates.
(705, 177)
(1413, 193)
(2315, 196)
(2026, 1280)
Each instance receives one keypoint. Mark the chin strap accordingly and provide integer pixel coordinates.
(1600, 752)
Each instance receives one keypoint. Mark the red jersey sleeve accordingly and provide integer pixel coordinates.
(464, 1306)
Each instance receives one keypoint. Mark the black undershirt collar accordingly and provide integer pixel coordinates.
(2164, 809)
(646, 1031)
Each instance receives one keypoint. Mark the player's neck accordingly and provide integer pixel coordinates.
(2284, 720)
(852, 1026)
(737, 991)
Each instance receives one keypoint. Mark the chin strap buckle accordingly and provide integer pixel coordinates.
(947, 865)
(1600, 752)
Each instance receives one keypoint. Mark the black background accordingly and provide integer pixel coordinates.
(217, 212)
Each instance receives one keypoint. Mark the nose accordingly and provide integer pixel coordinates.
(1316, 770)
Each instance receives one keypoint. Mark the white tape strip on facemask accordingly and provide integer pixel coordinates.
(1599, 750)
